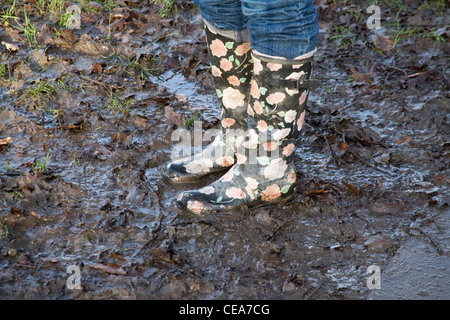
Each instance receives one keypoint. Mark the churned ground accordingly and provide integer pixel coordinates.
(86, 119)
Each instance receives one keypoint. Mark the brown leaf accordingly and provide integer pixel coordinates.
(351, 187)
(10, 46)
(95, 68)
(173, 119)
(5, 141)
(40, 57)
(108, 269)
(361, 78)
(384, 43)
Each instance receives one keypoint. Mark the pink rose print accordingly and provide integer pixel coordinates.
(227, 176)
(225, 64)
(300, 121)
(287, 151)
(292, 177)
(195, 206)
(242, 49)
(274, 66)
(235, 193)
(270, 193)
(226, 161)
(257, 66)
(228, 122)
(250, 111)
(254, 90)
(269, 146)
(232, 98)
(302, 98)
(262, 126)
(275, 98)
(257, 107)
(233, 80)
(240, 158)
(290, 116)
(217, 48)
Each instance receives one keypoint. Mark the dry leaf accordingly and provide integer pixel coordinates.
(384, 43)
(108, 269)
(40, 57)
(10, 46)
(351, 187)
(95, 68)
(173, 119)
(5, 141)
(361, 78)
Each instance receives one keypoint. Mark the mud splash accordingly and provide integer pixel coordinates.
(372, 167)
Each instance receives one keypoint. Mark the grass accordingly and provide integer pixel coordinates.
(188, 122)
(40, 165)
(28, 29)
(39, 95)
(5, 231)
(167, 7)
(10, 13)
(343, 36)
(117, 105)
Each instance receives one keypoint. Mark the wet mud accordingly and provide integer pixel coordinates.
(86, 120)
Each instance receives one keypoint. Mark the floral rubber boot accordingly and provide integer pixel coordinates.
(231, 66)
(264, 172)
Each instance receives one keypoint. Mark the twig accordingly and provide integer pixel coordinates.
(368, 163)
(315, 290)
(153, 124)
(435, 245)
(272, 236)
(331, 151)
(394, 68)
(160, 214)
(69, 126)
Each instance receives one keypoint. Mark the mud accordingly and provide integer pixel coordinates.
(81, 182)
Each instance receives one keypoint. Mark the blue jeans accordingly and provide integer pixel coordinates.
(282, 28)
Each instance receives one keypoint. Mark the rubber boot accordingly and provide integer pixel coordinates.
(231, 66)
(264, 173)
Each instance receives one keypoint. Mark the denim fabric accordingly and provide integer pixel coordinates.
(281, 28)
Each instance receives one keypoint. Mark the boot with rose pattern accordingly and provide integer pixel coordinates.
(264, 172)
(231, 66)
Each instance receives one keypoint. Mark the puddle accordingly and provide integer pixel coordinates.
(372, 168)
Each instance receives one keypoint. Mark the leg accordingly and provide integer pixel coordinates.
(264, 173)
(223, 14)
(230, 59)
(281, 28)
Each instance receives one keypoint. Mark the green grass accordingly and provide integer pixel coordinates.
(117, 105)
(167, 7)
(188, 122)
(343, 36)
(38, 95)
(40, 165)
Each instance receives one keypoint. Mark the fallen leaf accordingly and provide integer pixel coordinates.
(108, 269)
(403, 140)
(10, 46)
(95, 68)
(384, 43)
(5, 141)
(361, 78)
(173, 119)
(351, 187)
(40, 57)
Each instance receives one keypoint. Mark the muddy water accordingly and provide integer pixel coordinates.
(372, 168)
